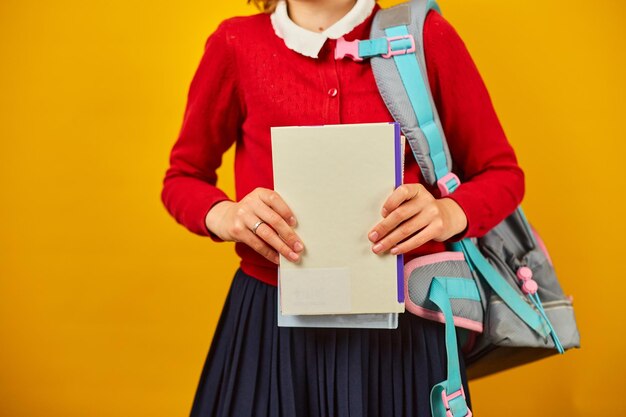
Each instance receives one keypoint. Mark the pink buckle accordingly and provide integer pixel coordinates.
(446, 401)
(442, 183)
(391, 53)
(349, 49)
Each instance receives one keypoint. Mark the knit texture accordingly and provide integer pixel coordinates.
(248, 81)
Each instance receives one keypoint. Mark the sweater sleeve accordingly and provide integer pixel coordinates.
(211, 124)
(492, 183)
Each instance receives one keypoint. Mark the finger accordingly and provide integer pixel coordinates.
(269, 236)
(403, 231)
(425, 235)
(404, 212)
(277, 222)
(260, 246)
(400, 195)
(276, 202)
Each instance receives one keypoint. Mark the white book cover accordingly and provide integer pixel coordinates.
(336, 178)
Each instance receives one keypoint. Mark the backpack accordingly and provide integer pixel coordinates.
(499, 293)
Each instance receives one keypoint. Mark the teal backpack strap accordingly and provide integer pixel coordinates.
(397, 33)
(447, 399)
(414, 83)
(513, 300)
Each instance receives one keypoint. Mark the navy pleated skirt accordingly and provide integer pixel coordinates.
(255, 368)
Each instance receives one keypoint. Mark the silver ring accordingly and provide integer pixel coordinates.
(256, 225)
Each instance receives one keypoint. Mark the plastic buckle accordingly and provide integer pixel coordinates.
(347, 48)
(442, 184)
(391, 53)
(446, 402)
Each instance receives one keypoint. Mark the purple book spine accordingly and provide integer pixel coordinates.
(400, 258)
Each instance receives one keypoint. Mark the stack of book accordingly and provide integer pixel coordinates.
(336, 179)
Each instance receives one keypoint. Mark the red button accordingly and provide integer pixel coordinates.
(333, 92)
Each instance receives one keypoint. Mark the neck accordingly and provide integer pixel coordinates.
(318, 15)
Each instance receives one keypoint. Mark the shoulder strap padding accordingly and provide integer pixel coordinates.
(394, 16)
(411, 14)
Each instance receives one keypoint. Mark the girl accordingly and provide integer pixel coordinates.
(277, 68)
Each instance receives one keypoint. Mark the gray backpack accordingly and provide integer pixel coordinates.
(499, 293)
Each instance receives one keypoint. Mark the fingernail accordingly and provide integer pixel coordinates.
(377, 247)
(298, 246)
(292, 221)
(374, 236)
(394, 250)
(293, 256)
(384, 212)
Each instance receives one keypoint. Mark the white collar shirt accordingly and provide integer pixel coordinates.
(309, 43)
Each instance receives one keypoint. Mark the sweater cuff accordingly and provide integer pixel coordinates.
(468, 205)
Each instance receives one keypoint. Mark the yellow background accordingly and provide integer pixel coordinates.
(108, 306)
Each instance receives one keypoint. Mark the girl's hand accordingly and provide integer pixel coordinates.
(412, 213)
(235, 222)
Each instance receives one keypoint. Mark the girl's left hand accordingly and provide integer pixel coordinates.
(413, 216)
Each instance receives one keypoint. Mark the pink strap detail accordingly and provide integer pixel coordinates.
(446, 401)
(442, 183)
(438, 316)
(432, 258)
(391, 52)
(349, 49)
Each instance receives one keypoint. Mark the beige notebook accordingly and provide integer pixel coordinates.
(335, 179)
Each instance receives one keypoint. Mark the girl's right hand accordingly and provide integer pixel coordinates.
(234, 222)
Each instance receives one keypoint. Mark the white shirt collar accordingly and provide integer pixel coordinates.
(310, 43)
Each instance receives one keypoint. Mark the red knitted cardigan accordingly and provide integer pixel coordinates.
(248, 81)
